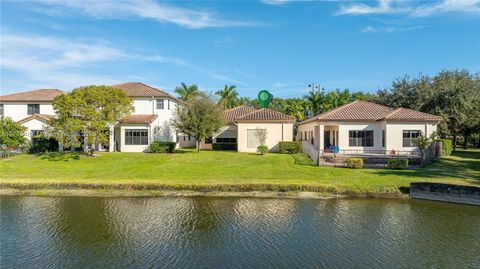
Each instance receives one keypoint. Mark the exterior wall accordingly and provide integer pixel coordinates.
(162, 128)
(276, 132)
(345, 127)
(134, 148)
(221, 133)
(34, 124)
(305, 127)
(18, 110)
(395, 132)
(184, 142)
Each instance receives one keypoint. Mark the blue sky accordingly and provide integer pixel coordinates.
(281, 46)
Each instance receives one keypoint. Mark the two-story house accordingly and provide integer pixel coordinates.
(32, 109)
(150, 120)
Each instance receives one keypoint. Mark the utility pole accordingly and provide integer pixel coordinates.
(315, 87)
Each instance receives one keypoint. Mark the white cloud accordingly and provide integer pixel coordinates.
(410, 8)
(49, 61)
(142, 9)
(371, 29)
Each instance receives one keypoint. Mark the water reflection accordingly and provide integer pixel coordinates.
(74, 232)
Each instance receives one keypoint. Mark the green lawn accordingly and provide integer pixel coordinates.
(229, 168)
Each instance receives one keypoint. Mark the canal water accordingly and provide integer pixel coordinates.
(206, 232)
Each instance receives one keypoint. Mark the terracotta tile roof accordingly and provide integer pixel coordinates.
(138, 89)
(138, 119)
(366, 111)
(406, 114)
(42, 117)
(265, 114)
(230, 115)
(41, 95)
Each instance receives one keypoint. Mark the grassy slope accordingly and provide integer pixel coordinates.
(216, 167)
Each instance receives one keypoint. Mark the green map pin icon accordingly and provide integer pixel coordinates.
(264, 97)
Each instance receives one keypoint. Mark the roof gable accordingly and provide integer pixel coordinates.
(40, 117)
(40, 95)
(138, 89)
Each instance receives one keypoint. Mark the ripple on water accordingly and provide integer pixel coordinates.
(202, 232)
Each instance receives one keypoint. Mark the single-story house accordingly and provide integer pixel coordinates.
(361, 126)
(246, 128)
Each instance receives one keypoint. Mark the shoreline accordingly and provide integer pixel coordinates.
(189, 193)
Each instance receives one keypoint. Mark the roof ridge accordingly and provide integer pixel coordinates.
(237, 107)
(395, 110)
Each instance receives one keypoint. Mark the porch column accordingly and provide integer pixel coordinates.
(321, 130)
(111, 141)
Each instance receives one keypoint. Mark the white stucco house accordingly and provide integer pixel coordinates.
(246, 128)
(150, 120)
(360, 127)
(31, 109)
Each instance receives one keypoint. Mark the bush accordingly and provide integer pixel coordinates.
(223, 146)
(397, 163)
(262, 149)
(356, 163)
(446, 146)
(290, 147)
(162, 147)
(42, 144)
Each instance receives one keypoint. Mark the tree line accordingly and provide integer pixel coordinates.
(452, 94)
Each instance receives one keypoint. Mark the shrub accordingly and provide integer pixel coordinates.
(356, 163)
(290, 147)
(262, 149)
(223, 146)
(41, 144)
(397, 163)
(446, 146)
(162, 147)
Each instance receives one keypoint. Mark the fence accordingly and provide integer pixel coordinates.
(372, 158)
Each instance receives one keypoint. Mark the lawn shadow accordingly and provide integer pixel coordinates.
(302, 159)
(65, 157)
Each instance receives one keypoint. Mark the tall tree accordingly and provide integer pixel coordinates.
(296, 108)
(314, 101)
(11, 134)
(200, 118)
(186, 92)
(228, 96)
(455, 97)
(89, 111)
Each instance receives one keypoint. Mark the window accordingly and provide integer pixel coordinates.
(383, 138)
(209, 140)
(227, 140)
(168, 103)
(136, 137)
(1, 109)
(301, 136)
(33, 109)
(360, 138)
(36, 132)
(160, 103)
(188, 138)
(408, 135)
(184, 138)
(256, 137)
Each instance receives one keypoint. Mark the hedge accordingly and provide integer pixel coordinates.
(162, 147)
(446, 146)
(290, 147)
(397, 163)
(355, 163)
(223, 146)
(42, 144)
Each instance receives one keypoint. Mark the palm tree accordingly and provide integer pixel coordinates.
(228, 96)
(244, 101)
(295, 108)
(314, 101)
(186, 92)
